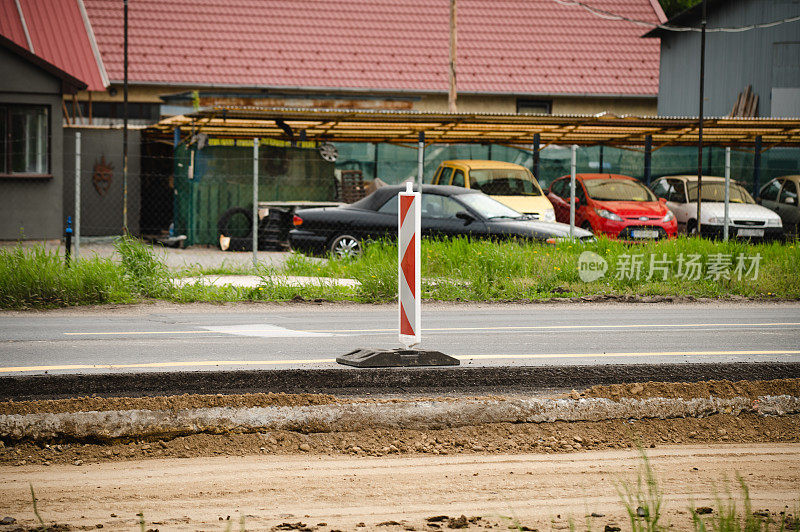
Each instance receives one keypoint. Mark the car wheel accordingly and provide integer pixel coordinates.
(345, 247)
(691, 228)
(588, 227)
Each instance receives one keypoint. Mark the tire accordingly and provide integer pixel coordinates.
(691, 228)
(228, 227)
(345, 247)
(588, 227)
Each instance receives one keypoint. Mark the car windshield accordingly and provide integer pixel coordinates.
(715, 192)
(617, 190)
(504, 182)
(487, 207)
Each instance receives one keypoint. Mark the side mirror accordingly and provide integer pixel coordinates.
(577, 201)
(467, 217)
(662, 201)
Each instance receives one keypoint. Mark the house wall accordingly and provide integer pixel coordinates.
(101, 199)
(765, 58)
(561, 105)
(469, 103)
(31, 207)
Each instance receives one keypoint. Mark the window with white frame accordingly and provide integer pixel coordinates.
(24, 148)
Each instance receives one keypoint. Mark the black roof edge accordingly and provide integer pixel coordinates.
(69, 83)
(684, 18)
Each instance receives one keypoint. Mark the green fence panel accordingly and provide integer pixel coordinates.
(222, 178)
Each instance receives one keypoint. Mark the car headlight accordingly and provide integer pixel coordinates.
(557, 239)
(608, 215)
(774, 222)
(668, 217)
(549, 215)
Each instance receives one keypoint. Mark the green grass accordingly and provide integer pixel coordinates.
(454, 270)
(643, 501)
(727, 518)
(224, 268)
(145, 274)
(481, 270)
(36, 278)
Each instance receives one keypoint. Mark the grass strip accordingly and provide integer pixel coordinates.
(460, 269)
(452, 270)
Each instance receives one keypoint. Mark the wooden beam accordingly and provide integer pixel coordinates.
(66, 112)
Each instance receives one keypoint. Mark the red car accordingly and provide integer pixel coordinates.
(616, 205)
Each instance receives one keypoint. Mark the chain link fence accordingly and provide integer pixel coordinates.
(200, 191)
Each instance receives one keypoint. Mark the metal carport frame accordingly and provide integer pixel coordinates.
(403, 127)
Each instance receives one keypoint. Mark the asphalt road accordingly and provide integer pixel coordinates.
(193, 338)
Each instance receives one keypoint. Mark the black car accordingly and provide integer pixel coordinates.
(447, 211)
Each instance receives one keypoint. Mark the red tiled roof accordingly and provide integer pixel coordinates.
(11, 24)
(58, 34)
(504, 46)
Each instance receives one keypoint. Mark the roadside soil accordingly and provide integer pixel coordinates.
(543, 475)
(504, 438)
(685, 390)
(477, 492)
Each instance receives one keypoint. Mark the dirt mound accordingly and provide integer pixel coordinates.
(691, 390)
(675, 390)
(497, 438)
(174, 402)
(493, 438)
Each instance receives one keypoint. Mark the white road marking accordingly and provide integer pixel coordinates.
(247, 330)
(587, 327)
(265, 330)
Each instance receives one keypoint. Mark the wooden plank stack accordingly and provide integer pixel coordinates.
(746, 104)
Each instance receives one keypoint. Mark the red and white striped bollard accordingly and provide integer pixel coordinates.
(408, 274)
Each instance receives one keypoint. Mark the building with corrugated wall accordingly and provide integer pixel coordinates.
(767, 59)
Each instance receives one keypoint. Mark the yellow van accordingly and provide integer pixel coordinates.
(508, 183)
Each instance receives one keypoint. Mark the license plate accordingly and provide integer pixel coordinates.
(644, 233)
(751, 232)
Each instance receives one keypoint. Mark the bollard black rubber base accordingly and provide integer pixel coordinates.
(395, 358)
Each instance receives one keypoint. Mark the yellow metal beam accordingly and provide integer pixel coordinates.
(323, 125)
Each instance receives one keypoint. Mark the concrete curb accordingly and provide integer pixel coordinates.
(347, 417)
(254, 281)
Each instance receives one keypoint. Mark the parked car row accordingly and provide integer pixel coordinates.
(622, 207)
(446, 211)
(497, 200)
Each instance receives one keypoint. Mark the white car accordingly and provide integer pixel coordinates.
(746, 218)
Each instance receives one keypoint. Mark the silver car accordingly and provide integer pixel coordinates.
(747, 219)
(780, 196)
